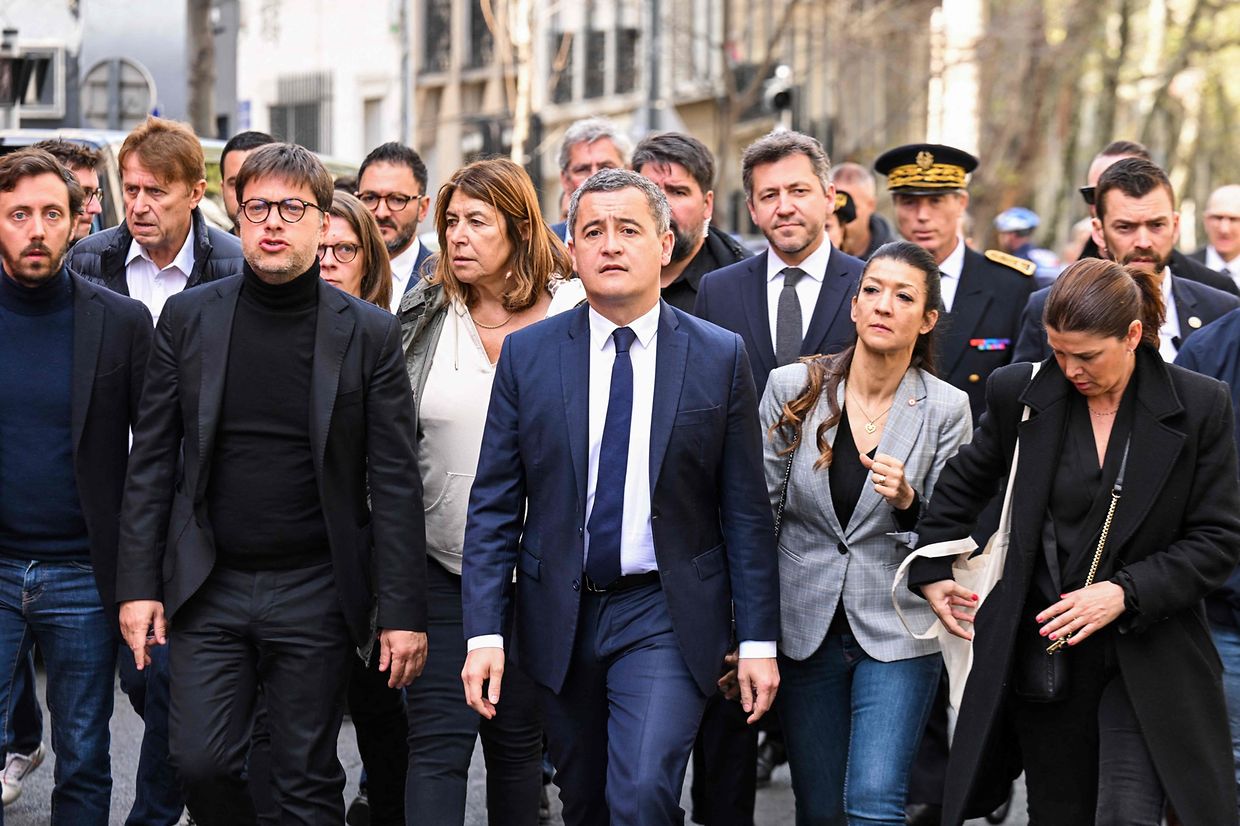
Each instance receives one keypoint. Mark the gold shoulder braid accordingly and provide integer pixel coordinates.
(1021, 265)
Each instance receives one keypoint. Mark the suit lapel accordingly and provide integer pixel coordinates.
(1185, 309)
(832, 308)
(214, 335)
(1041, 442)
(332, 332)
(809, 442)
(968, 308)
(671, 357)
(900, 434)
(575, 382)
(757, 315)
(87, 339)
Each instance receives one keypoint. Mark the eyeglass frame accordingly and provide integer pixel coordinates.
(323, 248)
(279, 205)
(1088, 193)
(95, 195)
(386, 200)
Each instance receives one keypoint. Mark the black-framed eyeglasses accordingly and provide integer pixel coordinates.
(95, 195)
(343, 252)
(291, 210)
(396, 201)
(1087, 192)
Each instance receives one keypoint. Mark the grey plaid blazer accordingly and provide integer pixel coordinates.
(928, 422)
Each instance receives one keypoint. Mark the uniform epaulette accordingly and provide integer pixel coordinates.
(1021, 265)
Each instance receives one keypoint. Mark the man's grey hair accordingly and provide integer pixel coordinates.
(849, 173)
(590, 130)
(778, 145)
(614, 180)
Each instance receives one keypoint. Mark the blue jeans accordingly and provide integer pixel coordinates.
(26, 723)
(852, 725)
(1227, 641)
(57, 606)
(158, 799)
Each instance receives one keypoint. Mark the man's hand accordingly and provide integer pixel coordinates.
(728, 684)
(953, 604)
(759, 679)
(404, 653)
(143, 625)
(482, 665)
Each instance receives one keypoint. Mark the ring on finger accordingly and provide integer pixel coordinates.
(880, 479)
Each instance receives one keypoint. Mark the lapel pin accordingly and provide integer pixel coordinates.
(911, 401)
(1194, 322)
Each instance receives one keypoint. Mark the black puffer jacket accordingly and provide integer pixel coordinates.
(101, 257)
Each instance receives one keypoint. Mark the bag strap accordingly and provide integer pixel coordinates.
(783, 492)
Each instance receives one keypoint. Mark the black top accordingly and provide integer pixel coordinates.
(40, 510)
(263, 496)
(1080, 497)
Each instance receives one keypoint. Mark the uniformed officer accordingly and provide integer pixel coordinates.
(983, 295)
(1015, 227)
(837, 222)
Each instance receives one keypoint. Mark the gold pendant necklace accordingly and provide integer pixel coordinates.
(872, 421)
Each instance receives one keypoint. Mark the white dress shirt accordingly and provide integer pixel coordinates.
(402, 271)
(949, 272)
(1171, 324)
(637, 540)
(808, 288)
(1215, 262)
(152, 285)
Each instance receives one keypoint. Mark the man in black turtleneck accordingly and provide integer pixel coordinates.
(71, 368)
(291, 408)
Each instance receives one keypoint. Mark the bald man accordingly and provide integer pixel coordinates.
(1222, 219)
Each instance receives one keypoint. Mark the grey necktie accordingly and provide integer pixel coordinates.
(788, 319)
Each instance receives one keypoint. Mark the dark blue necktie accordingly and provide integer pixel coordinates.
(607, 518)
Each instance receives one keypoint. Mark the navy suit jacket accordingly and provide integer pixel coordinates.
(419, 264)
(735, 298)
(710, 514)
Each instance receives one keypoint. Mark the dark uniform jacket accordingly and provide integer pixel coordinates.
(101, 257)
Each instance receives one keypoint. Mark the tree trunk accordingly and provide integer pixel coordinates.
(201, 67)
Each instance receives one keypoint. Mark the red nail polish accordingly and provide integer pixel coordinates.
(975, 597)
(1053, 636)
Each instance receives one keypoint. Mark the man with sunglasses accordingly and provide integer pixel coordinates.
(164, 245)
(391, 183)
(290, 405)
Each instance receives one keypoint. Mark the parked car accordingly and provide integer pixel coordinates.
(109, 145)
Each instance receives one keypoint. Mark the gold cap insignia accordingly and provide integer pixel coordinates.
(840, 200)
(925, 159)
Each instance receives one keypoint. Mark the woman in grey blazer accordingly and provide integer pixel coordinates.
(868, 431)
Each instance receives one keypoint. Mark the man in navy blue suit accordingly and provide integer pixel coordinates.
(793, 299)
(626, 490)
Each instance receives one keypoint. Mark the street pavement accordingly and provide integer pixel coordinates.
(775, 805)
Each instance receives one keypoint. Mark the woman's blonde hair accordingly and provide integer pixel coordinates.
(538, 255)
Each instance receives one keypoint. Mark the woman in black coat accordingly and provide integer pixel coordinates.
(1141, 720)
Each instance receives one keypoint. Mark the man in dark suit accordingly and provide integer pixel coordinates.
(1136, 224)
(1221, 218)
(246, 521)
(793, 300)
(164, 244)
(391, 183)
(983, 295)
(70, 379)
(629, 568)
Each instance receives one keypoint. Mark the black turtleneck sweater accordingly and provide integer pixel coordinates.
(263, 496)
(40, 512)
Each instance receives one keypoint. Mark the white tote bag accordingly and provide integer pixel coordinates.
(980, 574)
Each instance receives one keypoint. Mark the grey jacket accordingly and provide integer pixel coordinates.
(823, 564)
(422, 313)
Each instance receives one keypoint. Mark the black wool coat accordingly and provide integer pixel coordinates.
(1176, 532)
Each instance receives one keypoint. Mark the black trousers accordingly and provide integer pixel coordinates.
(281, 631)
(725, 765)
(443, 730)
(378, 714)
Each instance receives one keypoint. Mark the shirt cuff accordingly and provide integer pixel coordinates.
(757, 650)
(485, 641)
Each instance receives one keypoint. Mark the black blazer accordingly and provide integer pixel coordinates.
(361, 424)
(735, 299)
(978, 336)
(111, 342)
(1196, 305)
(1176, 532)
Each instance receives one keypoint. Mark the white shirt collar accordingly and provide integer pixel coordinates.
(645, 326)
(1215, 261)
(1165, 287)
(402, 265)
(184, 260)
(953, 265)
(815, 265)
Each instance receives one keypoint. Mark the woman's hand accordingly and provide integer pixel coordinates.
(1081, 613)
(953, 604)
(887, 474)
